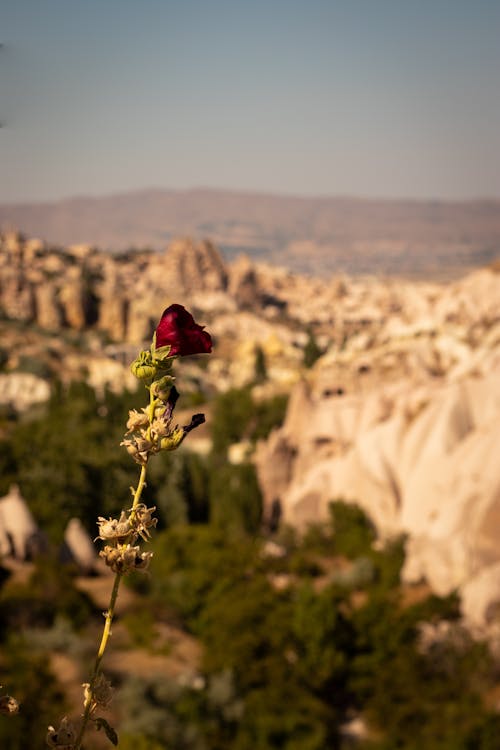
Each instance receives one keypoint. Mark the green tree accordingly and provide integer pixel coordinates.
(235, 498)
(260, 365)
(235, 416)
(291, 657)
(181, 482)
(49, 591)
(353, 532)
(231, 414)
(312, 350)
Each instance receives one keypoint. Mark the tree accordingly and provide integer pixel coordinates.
(312, 350)
(235, 498)
(260, 365)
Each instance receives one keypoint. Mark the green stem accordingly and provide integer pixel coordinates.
(137, 495)
(100, 653)
(88, 706)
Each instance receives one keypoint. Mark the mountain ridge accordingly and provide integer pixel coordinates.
(305, 233)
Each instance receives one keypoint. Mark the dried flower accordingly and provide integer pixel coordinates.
(136, 420)
(64, 738)
(116, 530)
(139, 448)
(196, 421)
(125, 559)
(178, 330)
(8, 705)
(160, 426)
(101, 694)
(143, 520)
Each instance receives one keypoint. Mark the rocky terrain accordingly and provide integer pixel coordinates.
(403, 417)
(83, 312)
(308, 234)
(400, 414)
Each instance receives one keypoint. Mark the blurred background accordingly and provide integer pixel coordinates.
(319, 184)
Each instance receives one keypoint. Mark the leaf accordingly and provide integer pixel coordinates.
(111, 734)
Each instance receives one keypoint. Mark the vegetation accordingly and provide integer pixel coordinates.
(298, 637)
(312, 350)
(28, 676)
(260, 365)
(290, 664)
(236, 417)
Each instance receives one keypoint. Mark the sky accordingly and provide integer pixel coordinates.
(369, 98)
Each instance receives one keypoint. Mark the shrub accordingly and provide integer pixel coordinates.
(353, 532)
(48, 593)
(235, 498)
(26, 674)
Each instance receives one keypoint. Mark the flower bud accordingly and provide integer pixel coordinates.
(161, 388)
(143, 366)
(172, 441)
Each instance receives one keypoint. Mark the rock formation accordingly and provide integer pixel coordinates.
(404, 419)
(78, 547)
(81, 287)
(400, 414)
(19, 535)
(22, 390)
(21, 539)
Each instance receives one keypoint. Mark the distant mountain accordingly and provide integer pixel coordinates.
(315, 235)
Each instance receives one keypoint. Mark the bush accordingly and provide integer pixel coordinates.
(48, 593)
(191, 561)
(312, 351)
(27, 677)
(236, 417)
(235, 498)
(353, 532)
(67, 463)
(182, 482)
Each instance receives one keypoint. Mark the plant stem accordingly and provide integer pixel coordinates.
(107, 626)
(100, 653)
(138, 492)
(88, 705)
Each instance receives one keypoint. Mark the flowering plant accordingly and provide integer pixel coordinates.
(149, 431)
(178, 330)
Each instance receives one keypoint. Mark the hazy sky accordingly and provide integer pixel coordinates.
(396, 98)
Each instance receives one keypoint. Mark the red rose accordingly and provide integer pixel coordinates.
(178, 330)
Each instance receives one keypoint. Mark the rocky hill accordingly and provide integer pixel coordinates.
(424, 238)
(81, 312)
(400, 414)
